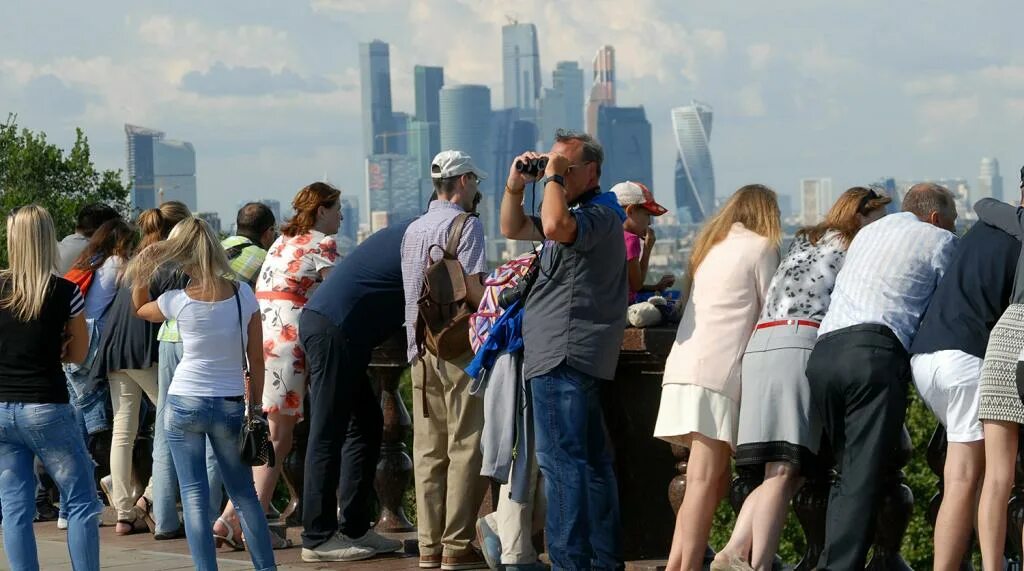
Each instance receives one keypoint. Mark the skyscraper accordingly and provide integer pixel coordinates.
(375, 77)
(174, 172)
(159, 169)
(140, 172)
(514, 134)
(392, 189)
(397, 141)
(990, 182)
(425, 128)
(520, 65)
(466, 121)
(695, 175)
(626, 138)
(815, 199)
(562, 105)
(602, 92)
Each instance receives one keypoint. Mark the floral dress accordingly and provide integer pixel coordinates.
(289, 276)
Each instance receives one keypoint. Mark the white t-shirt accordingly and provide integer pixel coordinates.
(103, 288)
(211, 364)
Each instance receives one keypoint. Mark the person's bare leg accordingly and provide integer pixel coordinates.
(743, 532)
(705, 473)
(781, 482)
(282, 429)
(1000, 458)
(965, 465)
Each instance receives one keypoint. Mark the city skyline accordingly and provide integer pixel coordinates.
(695, 173)
(270, 98)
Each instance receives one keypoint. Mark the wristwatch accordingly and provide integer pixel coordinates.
(553, 178)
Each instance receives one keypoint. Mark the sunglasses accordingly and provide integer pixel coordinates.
(871, 195)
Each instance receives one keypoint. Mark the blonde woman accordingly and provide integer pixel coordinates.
(127, 357)
(778, 428)
(733, 261)
(295, 265)
(216, 318)
(41, 324)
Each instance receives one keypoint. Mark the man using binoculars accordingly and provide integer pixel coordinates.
(575, 315)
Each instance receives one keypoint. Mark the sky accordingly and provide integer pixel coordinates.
(268, 90)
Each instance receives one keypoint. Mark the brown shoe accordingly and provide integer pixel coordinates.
(471, 558)
(430, 561)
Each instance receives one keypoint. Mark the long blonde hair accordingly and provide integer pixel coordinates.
(194, 247)
(32, 256)
(156, 223)
(755, 206)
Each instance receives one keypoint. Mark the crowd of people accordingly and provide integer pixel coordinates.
(783, 362)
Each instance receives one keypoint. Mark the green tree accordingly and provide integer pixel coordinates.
(33, 170)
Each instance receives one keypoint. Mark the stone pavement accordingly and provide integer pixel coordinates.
(141, 552)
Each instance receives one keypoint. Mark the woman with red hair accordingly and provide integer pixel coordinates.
(295, 265)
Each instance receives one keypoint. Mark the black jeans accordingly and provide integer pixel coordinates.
(345, 430)
(858, 378)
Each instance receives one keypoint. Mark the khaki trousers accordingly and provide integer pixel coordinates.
(447, 423)
(126, 389)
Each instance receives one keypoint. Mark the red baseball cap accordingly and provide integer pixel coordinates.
(630, 193)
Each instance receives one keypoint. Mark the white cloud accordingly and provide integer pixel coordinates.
(352, 6)
(1005, 76)
(751, 103)
(759, 55)
(951, 111)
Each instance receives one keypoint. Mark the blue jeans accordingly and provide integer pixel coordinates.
(574, 455)
(189, 422)
(28, 430)
(164, 481)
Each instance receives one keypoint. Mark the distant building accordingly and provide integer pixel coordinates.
(695, 174)
(425, 128)
(520, 66)
(375, 84)
(626, 138)
(211, 218)
(815, 199)
(349, 218)
(990, 182)
(466, 123)
(159, 169)
(397, 141)
(392, 189)
(602, 91)
(561, 107)
(512, 136)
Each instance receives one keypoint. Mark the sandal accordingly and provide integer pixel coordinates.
(279, 540)
(136, 525)
(146, 513)
(233, 542)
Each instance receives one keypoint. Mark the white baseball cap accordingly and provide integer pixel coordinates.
(630, 193)
(448, 164)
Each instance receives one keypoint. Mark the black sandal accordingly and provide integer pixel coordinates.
(137, 525)
(146, 513)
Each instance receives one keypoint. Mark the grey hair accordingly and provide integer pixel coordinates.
(924, 198)
(592, 150)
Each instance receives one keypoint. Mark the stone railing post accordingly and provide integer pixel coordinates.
(394, 470)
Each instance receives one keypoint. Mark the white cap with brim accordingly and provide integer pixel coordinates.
(448, 164)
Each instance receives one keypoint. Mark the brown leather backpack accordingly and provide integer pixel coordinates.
(447, 301)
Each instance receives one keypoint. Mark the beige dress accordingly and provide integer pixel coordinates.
(701, 387)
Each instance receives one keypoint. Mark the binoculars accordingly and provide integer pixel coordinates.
(532, 167)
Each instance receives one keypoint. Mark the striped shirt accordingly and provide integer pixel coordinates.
(77, 305)
(248, 261)
(427, 231)
(892, 268)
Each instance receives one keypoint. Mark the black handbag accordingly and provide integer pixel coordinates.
(254, 445)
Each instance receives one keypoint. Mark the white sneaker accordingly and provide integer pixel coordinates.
(62, 523)
(377, 542)
(338, 548)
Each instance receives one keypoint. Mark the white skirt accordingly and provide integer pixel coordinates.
(688, 409)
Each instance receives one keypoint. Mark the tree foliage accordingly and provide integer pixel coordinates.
(33, 170)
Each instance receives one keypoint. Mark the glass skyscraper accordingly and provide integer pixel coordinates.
(466, 121)
(140, 172)
(602, 91)
(520, 66)
(392, 189)
(562, 105)
(695, 175)
(626, 138)
(375, 78)
(159, 169)
(425, 129)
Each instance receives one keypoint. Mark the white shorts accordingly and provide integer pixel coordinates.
(950, 384)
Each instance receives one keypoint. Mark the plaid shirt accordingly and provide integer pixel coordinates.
(246, 265)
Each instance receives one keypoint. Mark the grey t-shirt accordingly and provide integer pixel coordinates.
(69, 249)
(576, 312)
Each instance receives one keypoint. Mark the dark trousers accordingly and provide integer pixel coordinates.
(345, 430)
(858, 378)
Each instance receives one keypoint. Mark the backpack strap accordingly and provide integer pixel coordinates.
(455, 234)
